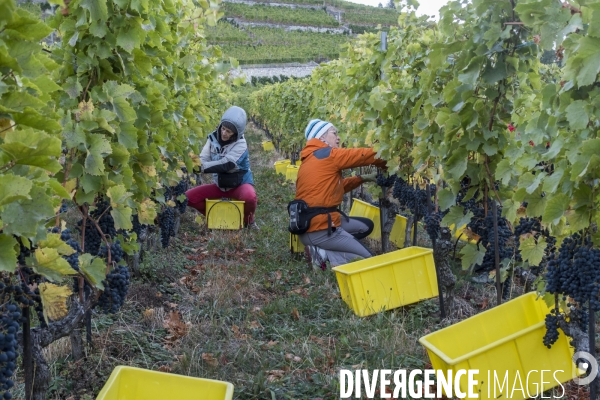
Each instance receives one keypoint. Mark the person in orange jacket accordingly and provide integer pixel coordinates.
(332, 236)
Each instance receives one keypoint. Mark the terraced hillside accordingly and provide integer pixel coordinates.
(293, 31)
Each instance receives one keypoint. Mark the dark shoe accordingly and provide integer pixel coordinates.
(253, 225)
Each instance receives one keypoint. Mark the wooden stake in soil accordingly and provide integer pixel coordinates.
(592, 339)
(437, 269)
(497, 254)
(27, 354)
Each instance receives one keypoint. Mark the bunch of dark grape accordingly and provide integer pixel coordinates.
(166, 222)
(179, 190)
(485, 229)
(106, 221)
(73, 259)
(527, 225)
(559, 273)
(432, 225)
(116, 286)
(411, 198)
(116, 252)
(586, 267)
(471, 204)
(551, 335)
(386, 182)
(92, 238)
(63, 207)
(137, 227)
(23, 254)
(10, 320)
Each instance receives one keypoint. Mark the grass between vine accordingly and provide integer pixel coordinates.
(236, 306)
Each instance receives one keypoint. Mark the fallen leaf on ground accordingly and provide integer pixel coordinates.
(210, 359)
(295, 314)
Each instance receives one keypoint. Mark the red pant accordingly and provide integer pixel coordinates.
(198, 195)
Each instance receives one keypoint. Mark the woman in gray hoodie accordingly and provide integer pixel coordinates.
(225, 155)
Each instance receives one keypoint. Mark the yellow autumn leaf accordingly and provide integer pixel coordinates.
(147, 212)
(149, 170)
(71, 186)
(54, 301)
(53, 241)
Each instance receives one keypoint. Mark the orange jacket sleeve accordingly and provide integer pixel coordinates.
(352, 158)
(351, 183)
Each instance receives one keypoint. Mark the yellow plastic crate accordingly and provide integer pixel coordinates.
(363, 209)
(129, 383)
(388, 281)
(398, 233)
(298, 163)
(224, 214)
(281, 165)
(296, 246)
(507, 338)
(291, 173)
(268, 145)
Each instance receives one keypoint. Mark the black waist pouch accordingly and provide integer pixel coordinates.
(230, 180)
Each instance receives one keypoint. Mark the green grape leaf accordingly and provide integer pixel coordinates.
(97, 148)
(455, 217)
(118, 195)
(457, 163)
(50, 264)
(577, 115)
(93, 268)
(510, 209)
(446, 199)
(504, 171)
(578, 219)
(19, 101)
(72, 87)
(555, 208)
(22, 218)
(122, 217)
(13, 188)
(8, 255)
(471, 255)
(97, 8)
(531, 251)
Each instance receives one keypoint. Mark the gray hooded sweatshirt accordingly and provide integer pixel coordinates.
(229, 163)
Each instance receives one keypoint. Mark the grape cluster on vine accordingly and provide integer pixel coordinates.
(552, 333)
(432, 224)
(10, 320)
(73, 259)
(411, 198)
(105, 220)
(116, 252)
(116, 286)
(166, 222)
(386, 181)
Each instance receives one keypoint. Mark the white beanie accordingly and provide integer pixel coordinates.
(316, 128)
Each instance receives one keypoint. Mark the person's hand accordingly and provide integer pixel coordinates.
(369, 177)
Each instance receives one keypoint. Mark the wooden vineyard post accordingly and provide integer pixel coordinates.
(497, 255)
(437, 269)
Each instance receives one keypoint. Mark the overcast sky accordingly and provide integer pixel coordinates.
(428, 7)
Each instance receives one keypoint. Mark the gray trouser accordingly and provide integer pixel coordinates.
(342, 246)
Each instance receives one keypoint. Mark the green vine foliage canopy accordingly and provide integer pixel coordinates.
(468, 97)
(113, 110)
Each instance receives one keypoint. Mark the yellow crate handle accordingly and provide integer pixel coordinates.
(234, 206)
